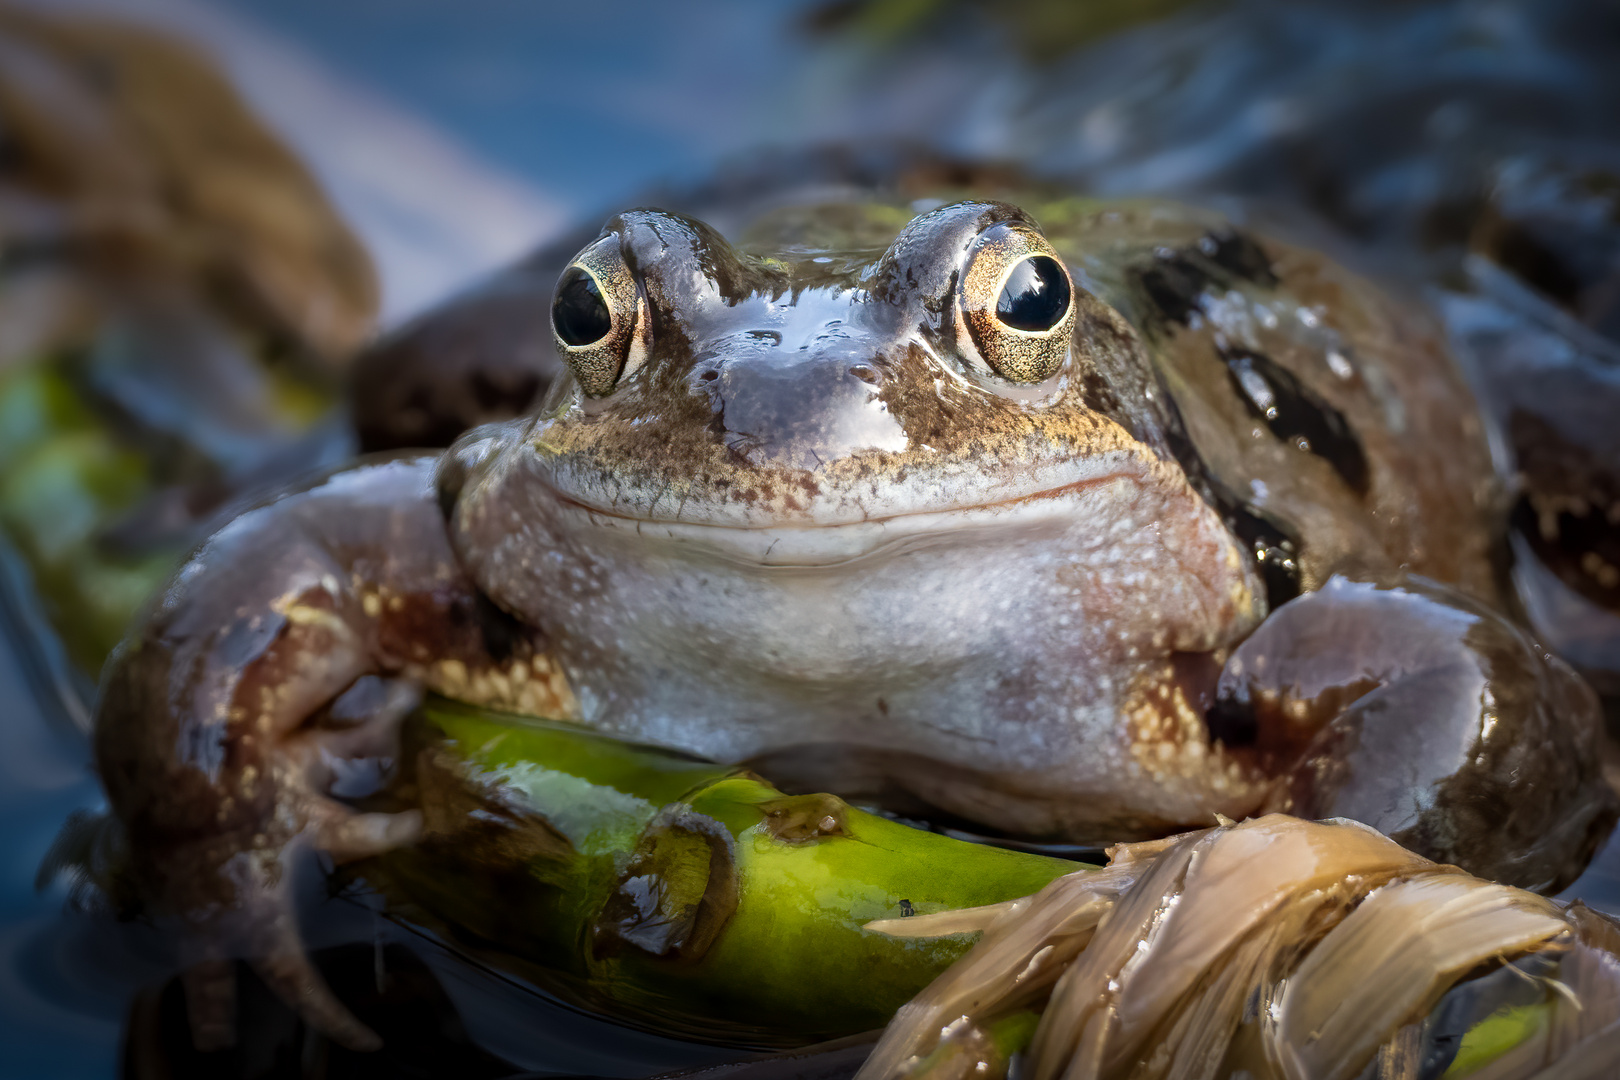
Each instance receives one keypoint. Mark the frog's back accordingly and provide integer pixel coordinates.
(1324, 415)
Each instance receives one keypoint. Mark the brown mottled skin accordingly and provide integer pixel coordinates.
(811, 525)
(1431, 501)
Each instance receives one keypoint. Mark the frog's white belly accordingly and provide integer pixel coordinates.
(1002, 641)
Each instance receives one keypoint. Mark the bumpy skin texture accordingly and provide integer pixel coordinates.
(810, 526)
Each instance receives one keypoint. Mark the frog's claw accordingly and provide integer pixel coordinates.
(217, 857)
(346, 835)
(264, 924)
(286, 969)
(264, 928)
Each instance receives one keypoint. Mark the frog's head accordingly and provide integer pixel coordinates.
(913, 495)
(956, 368)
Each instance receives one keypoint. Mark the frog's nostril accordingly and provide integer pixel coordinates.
(867, 374)
(710, 375)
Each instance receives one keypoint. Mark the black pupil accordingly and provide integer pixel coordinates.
(579, 313)
(1036, 295)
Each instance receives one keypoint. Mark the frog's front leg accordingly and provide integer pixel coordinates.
(204, 736)
(1410, 707)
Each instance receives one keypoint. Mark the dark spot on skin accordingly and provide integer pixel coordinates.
(1296, 415)
(1175, 284)
(1274, 551)
(1274, 548)
(1179, 277)
(1239, 255)
(883, 706)
(1570, 511)
(1271, 733)
(866, 374)
(1232, 723)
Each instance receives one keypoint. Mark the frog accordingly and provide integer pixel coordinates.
(1057, 518)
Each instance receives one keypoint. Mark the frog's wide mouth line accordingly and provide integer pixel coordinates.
(801, 543)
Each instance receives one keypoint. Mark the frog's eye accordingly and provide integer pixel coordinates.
(1018, 303)
(579, 314)
(597, 316)
(1035, 296)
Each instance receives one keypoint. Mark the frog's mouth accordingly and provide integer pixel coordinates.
(864, 503)
(803, 540)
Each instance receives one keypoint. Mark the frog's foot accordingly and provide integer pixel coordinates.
(263, 926)
(234, 890)
(1409, 707)
(239, 720)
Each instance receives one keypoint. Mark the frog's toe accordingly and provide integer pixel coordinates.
(262, 928)
(286, 969)
(347, 835)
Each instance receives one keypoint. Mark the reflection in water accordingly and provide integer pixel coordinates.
(437, 1018)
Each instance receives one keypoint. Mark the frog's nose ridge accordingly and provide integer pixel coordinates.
(799, 407)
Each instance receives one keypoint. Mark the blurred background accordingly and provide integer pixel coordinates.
(1467, 148)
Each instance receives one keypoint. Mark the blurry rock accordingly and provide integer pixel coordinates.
(124, 151)
(177, 299)
(1557, 226)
